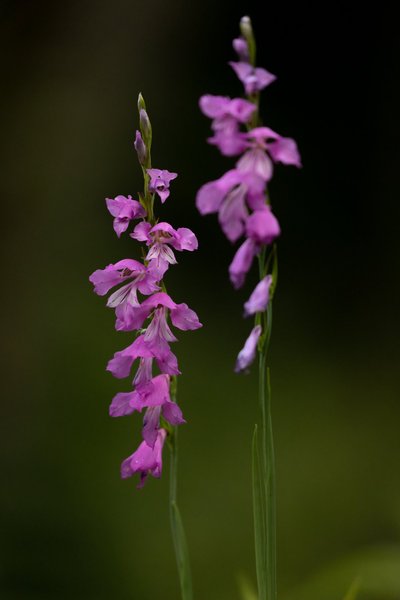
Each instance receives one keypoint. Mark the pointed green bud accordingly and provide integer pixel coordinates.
(141, 103)
(145, 127)
(246, 29)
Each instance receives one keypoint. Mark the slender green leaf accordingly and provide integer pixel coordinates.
(182, 554)
(260, 524)
(353, 590)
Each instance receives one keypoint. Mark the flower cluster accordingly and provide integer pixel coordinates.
(148, 316)
(240, 195)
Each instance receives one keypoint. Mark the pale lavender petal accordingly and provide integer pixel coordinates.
(262, 226)
(184, 317)
(214, 106)
(241, 109)
(285, 151)
(233, 213)
(253, 79)
(185, 240)
(259, 299)
(257, 162)
(248, 353)
(241, 263)
(140, 148)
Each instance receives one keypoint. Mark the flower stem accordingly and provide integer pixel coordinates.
(178, 532)
(264, 475)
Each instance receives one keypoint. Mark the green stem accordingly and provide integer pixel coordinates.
(178, 532)
(267, 454)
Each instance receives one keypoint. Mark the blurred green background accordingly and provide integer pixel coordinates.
(70, 75)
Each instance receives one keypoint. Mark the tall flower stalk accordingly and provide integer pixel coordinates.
(150, 318)
(241, 199)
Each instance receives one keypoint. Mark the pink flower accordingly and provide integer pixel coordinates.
(265, 144)
(145, 460)
(259, 299)
(155, 396)
(230, 195)
(121, 363)
(227, 116)
(242, 262)
(254, 79)
(160, 237)
(124, 299)
(248, 353)
(159, 182)
(262, 226)
(124, 210)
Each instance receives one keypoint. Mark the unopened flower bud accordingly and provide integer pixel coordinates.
(140, 148)
(246, 30)
(145, 126)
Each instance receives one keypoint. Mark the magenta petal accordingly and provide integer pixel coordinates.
(185, 240)
(145, 460)
(241, 263)
(122, 404)
(168, 363)
(141, 232)
(172, 413)
(184, 318)
(285, 151)
(259, 299)
(256, 162)
(120, 365)
(248, 353)
(151, 423)
(262, 226)
(214, 106)
(159, 299)
(209, 198)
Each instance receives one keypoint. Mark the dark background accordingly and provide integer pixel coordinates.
(70, 75)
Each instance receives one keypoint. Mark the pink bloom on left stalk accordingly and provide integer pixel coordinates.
(154, 396)
(124, 210)
(254, 79)
(159, 182)
(145, 460)
(248, 353)
(124, 300)
(159, 238)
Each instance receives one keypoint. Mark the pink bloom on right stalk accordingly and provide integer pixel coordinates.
(262, 226)
(259, 299)
(248, 353)
(227, 115)
(145, 460)
(230, 196)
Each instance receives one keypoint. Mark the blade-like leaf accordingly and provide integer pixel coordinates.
(182, 554)
(260, 523)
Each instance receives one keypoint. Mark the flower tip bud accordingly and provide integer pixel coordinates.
(141, 103)
(246, 27)
(140, 148)
(145, 125)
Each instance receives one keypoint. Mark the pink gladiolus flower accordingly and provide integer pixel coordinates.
(145, 460)
(242, 262)
(248, 353)
(159, 182)
(262, 226)
(259, 299)
(254, 79)
(124, 210)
